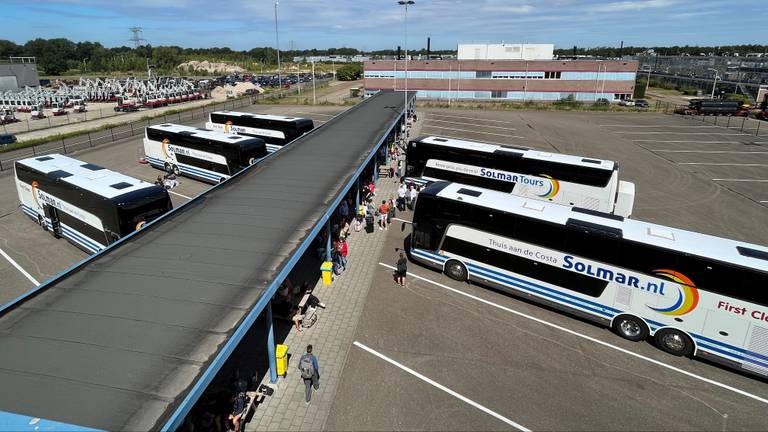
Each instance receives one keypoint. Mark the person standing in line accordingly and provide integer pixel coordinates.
(402, 191)
(412, 195)
(344, 211)
(401, 268)
(383, 215)
(310, 373)
(344, 250)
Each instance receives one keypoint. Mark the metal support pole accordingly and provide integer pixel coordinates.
(328, 240)
(728, 125)
(357, 194)
(376, 167)
(742, 123)
(757, 132)
(271, 345)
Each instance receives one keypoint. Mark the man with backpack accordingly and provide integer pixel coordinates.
(310, 372)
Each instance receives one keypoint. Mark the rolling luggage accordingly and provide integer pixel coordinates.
(369, 224)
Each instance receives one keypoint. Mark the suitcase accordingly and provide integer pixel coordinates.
(369, 225)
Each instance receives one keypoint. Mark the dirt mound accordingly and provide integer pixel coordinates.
(211, 67)
(237, 90)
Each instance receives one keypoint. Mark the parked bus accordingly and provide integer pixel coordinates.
(277, 131)
(200, 153)
(559, 178)
(88, 205)
(695, 294)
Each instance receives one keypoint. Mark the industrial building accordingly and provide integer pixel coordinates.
(502, 51)
(17, 73)
(512, 80)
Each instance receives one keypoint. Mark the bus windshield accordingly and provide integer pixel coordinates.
(133, 215)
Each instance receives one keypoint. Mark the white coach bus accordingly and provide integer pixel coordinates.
(88, 205)
(559, 178)
(695, 294)
(200, 153)
(276, 130)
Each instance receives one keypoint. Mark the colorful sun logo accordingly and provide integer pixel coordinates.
(687, 294)
(166, 142)
(35, 185)
(554, 188)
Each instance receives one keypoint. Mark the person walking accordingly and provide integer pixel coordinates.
(402, 192)
(310, 373)
(401, 268)
(383, 215)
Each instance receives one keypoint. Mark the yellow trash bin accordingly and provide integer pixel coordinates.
(327, 271)
(281, 355)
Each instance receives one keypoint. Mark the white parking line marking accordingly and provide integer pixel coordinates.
(484, 142)
(687, 141)
(741, 180)
(721, 164)
(462, 117)
(658, 126)
(402, 220)
(19, 268)
(176, 193)
(763, 201)
(442, 387)
(314, 113)
(474, 131)
(589, 338)
(680, 133)
(707, 151)
(469, 124)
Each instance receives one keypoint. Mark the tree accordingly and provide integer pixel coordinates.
(10, 49)
(350, 72)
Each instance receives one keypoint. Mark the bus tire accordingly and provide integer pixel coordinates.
(630, 328)
(41, 222)
(221, 180)
(167, 168)
(456, 270)
(675, 342)
(176, 170)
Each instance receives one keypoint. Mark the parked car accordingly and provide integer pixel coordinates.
(602, 101)
(627, 102)
(6, 139)
(642, 103)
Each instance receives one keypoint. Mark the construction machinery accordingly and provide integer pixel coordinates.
(36, 113)
(57, 109)
(7, 116)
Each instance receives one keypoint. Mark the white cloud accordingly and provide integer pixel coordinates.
(634, 5)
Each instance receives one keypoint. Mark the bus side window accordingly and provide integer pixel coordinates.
(539, 233)
(591, 246)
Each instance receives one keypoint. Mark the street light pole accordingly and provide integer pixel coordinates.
(277, 42)
(314, 92)
(714, 82)
(406, 3)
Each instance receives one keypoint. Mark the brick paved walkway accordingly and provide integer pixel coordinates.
(331, 336)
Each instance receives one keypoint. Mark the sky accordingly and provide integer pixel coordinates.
(379, 24)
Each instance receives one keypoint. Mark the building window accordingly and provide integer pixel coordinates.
(483, 74)
(552, 75)
(498, 95)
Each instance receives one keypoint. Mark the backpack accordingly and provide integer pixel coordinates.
(306, 367)
(310, 317)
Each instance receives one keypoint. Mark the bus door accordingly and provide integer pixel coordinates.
(52, 213)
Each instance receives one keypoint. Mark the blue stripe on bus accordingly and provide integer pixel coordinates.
(531, 286)
(81, 238)
(703, 342)
(198, 172)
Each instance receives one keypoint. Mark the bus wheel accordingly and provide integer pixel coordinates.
(630, 327)
(456, 270)
(167, 167)
(41, 221)
(176, 170)
(674, 342)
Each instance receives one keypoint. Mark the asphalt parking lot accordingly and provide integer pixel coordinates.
(34, 255)
(443, 355)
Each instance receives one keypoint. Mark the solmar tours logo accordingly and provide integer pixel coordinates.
(687, 294)
(554, 187)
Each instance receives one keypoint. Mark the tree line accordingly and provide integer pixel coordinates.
(692, 50)
(57, 56)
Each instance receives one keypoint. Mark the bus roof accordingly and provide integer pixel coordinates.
(94, 178)
(527, 153)
(204, 133)
(260, 116)
(694, 243)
